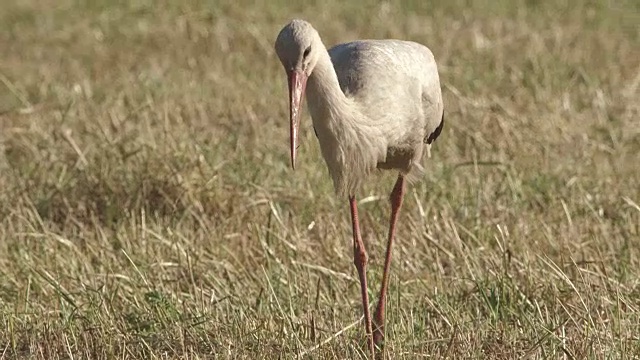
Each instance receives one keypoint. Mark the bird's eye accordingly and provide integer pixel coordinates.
(306, 51)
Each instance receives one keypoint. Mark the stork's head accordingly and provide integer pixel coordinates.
(297, 47)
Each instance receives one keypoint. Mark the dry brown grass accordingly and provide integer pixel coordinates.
(147, 207)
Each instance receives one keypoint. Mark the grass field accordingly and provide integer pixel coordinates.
(148, 209)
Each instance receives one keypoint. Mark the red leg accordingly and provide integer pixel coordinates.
(396, 201)
(360, 261)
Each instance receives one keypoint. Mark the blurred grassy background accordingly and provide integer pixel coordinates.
(148, 209)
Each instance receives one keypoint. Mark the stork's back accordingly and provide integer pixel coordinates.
(398, 76)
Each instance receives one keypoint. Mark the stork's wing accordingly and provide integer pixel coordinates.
(434, 135)
(398, 76)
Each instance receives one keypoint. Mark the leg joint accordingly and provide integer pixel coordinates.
(360, 257)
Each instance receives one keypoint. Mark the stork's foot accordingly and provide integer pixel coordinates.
(378, 336)
(378, 329)
(365, 347)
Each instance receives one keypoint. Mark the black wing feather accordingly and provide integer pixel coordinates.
(434, 135)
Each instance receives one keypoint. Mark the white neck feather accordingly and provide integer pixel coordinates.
(347, 141)
(326, 92)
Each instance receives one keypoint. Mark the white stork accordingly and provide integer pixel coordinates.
(374, 104)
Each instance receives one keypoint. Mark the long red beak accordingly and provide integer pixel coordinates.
(297, 85)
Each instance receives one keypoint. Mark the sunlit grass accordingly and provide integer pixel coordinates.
(148, 209)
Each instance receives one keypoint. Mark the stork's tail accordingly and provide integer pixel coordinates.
(417, 170)
(434, 135)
